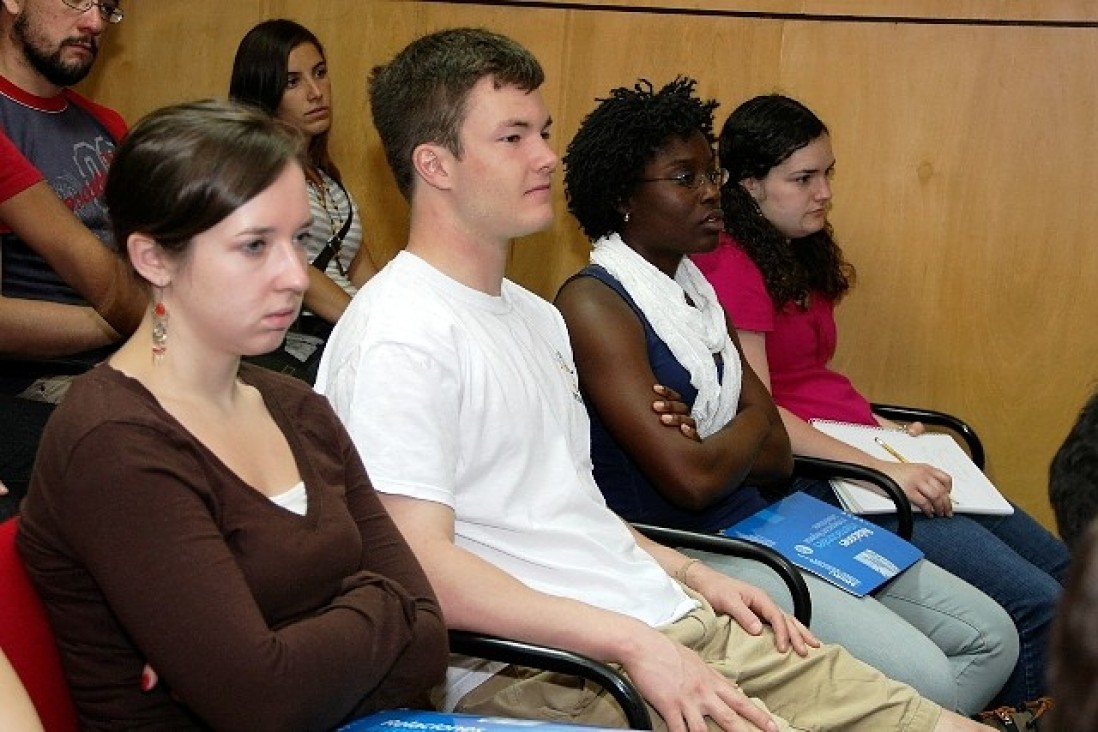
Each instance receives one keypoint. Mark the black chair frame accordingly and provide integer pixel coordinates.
(958, 426)
(802, 600)
(533, 655)
(822, 469)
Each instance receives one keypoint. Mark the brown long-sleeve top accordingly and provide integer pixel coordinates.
(146, 548)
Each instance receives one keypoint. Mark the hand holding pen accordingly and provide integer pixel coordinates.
(927, 487)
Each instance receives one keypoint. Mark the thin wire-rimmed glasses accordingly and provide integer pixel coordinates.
(108, 10)
(693, 180)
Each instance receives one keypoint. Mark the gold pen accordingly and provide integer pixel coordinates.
(899, 456)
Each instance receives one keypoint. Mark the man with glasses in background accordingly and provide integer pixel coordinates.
(64, 301)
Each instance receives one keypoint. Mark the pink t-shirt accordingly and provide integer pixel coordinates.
(799, 343)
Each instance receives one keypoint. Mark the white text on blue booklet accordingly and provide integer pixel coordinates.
(846, 550)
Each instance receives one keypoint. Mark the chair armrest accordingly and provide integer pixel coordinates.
(802, 601)
(532, 655)
(822, 469)
(940, 419)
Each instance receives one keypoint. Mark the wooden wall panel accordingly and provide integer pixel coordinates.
(967, 157)
(932, 11)
(973, 248)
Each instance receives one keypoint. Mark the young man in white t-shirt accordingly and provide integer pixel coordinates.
(459, 390)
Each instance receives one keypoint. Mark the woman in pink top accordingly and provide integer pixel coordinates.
(778, 272)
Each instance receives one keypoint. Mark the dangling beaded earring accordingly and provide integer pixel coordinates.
(625, 218)
(159, 331)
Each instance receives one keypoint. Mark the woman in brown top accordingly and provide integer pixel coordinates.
(211, 519)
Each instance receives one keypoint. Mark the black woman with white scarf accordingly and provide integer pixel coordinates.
(642, 180)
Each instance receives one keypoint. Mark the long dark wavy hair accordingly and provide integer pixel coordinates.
(259, 76)
(760, 134)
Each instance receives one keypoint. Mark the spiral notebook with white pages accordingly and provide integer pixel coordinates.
(972, 491)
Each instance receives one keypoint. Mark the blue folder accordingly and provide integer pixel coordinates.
(844, 549)
(410, 720)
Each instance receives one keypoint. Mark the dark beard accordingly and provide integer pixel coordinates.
(50, 65)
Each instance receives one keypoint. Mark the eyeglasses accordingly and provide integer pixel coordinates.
(693, 181)
(108, 10)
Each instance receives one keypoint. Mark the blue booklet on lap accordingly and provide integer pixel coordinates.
(844, 549)
(414, 720)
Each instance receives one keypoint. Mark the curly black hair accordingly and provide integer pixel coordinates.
(618, 138)
(760, 134)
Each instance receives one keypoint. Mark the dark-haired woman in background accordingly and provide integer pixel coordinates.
(281, 68)
(209, 518)
(779, 273)
(641, 178)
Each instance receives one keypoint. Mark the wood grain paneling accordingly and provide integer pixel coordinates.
(930, 11)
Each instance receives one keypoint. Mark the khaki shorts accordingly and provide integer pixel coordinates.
(827, 690)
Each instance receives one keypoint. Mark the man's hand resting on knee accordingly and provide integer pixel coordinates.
(684, 690)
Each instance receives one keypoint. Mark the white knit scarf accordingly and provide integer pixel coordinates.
(693, 333)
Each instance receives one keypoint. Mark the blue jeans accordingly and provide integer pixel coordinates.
(1013, 559)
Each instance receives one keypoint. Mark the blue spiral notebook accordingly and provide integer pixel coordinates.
(844, 549)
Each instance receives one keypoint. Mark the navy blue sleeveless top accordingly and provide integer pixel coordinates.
(627, 490)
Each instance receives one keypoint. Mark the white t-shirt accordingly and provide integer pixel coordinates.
(470, 400)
